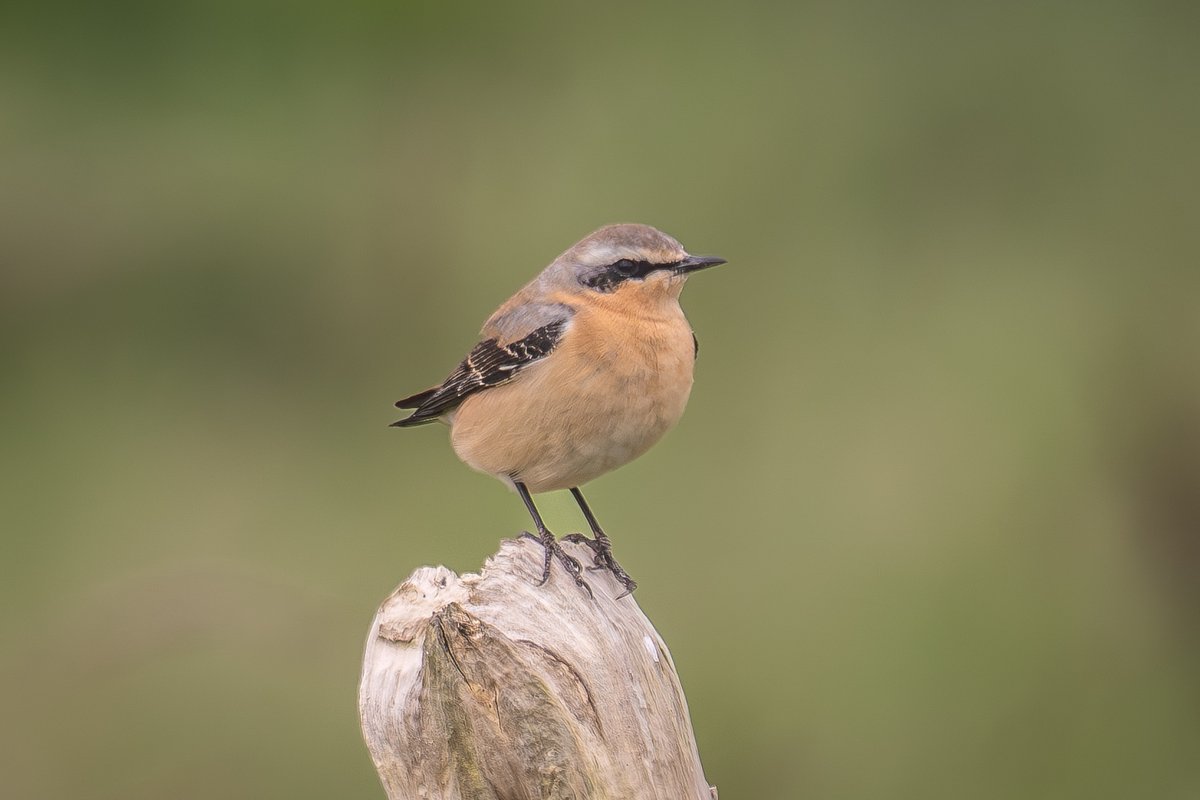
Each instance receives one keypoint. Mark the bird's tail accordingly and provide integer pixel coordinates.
(418, 399)
(415, 401)
(413, 421)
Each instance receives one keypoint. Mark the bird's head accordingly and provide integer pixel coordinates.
(634, 261)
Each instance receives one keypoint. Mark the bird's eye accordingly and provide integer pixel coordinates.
(626, 267)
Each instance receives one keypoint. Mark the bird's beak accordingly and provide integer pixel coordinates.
(693, 263)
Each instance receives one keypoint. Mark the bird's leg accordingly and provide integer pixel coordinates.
(601, 546)
(551, 545)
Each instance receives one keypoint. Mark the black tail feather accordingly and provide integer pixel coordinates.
(418, 399)
(418, 417)
(414, 420)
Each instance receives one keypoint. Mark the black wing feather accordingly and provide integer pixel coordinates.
(488, 364)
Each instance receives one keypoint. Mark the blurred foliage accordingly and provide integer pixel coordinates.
(930, 528)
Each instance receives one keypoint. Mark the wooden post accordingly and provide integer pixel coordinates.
(490, 687)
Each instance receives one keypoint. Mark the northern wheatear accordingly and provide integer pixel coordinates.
(578, 373)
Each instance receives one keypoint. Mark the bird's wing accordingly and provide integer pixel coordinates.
(489, 364)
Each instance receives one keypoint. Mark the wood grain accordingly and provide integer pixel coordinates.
(490, 687)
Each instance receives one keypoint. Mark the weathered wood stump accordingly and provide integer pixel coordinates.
(490, 687)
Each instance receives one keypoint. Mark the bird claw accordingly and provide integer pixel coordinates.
(602, 559)
(554, 550)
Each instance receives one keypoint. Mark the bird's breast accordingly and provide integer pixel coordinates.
(629, 381)
(608, 392)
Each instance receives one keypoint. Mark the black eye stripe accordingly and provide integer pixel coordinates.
(618, 272)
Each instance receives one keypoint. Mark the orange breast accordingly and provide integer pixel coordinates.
(615, 384)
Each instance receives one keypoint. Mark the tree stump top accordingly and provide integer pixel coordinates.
(491, 687)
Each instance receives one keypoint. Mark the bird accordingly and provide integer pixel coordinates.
(581, 371)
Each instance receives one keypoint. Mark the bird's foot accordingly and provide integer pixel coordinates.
(554, 550)
(603, 559)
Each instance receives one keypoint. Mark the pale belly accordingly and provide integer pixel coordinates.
(565, 421)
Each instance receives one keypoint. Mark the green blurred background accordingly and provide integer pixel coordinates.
(930, 528)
